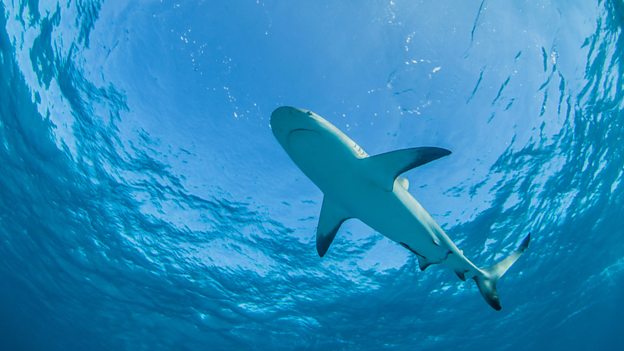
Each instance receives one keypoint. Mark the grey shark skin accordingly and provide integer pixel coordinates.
(369, 188)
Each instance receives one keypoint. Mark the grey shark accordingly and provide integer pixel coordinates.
(369, 188)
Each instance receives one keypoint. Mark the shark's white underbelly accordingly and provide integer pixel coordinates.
(333, 166)
(401, 220)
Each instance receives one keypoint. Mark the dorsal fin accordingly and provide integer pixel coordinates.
(404, 182)
(330, 219)
(385, 168)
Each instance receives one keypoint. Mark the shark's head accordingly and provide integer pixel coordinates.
(286, 120)
(296, 128)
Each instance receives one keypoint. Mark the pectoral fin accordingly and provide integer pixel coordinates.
(385, 168)
(332, 216)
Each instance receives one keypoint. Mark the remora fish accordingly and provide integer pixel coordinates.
(369, 188)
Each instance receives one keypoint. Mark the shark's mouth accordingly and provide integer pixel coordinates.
(296, 136)
(298, 130)
(301, 136)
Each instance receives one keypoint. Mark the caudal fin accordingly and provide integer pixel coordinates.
(490, 276)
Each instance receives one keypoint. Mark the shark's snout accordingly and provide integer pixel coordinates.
(286, 119)
(279, 115)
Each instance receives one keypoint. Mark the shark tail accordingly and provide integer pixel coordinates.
(487, 278)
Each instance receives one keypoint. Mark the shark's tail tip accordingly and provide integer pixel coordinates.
(487, 287)
(525, 242)
(486, 281)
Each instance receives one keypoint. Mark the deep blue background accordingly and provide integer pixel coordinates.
(145, 205)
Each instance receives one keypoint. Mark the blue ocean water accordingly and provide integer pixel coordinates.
(145, 205)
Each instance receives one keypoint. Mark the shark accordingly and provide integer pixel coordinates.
(371, 189)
